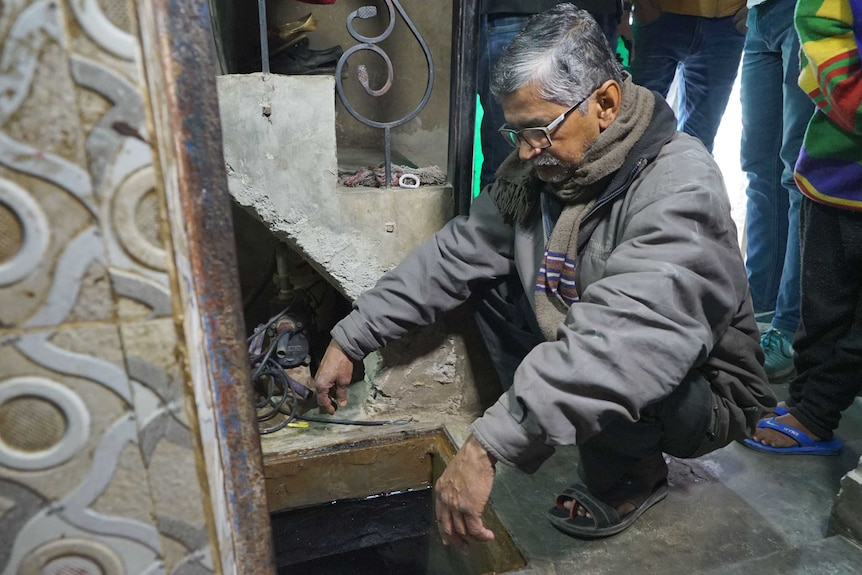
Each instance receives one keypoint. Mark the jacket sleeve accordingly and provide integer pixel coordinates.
(669, 288)
(829, 59)
(436, 277)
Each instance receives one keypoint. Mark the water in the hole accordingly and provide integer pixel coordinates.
(389, 534)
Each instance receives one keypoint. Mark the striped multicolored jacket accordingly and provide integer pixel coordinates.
(829, 169)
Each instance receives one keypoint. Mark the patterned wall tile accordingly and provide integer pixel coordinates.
(166, 442)
(69, 449)
(98, 472)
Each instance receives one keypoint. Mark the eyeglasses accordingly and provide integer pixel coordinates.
(540, 137)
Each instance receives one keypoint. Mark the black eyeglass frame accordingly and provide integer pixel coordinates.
(515, 137)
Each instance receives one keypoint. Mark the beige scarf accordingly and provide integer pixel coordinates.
(517, 199)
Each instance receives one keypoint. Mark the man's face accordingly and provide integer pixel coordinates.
(524, 108)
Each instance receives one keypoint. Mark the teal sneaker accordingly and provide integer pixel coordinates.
(779, 354)
(764, 321)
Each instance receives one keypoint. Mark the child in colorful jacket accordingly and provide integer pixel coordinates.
(829, 174)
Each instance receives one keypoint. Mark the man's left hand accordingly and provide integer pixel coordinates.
(461, 494)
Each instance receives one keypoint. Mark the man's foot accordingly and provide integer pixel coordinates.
(778, 351)
(785, 435)
(773, 438)
(598, 518)
(622, 508)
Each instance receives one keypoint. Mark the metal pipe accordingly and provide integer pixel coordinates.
(264, 44)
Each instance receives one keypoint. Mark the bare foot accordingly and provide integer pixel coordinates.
(623, 508)
(774, 438)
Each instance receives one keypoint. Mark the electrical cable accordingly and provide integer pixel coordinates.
(273, 385)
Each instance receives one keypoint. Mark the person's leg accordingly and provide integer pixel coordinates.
(708, 73)
(624, 450)
(829, 341)
(766, 209)
(797, 111)
(658, 48)
(495, 32)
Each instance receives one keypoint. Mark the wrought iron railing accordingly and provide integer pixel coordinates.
(370, 44)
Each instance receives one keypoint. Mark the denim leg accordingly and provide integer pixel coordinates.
(766, 222)
(659, 48)
(798, 110)
(495, 32)
(775, 112)
(707, 53)
(708, 72)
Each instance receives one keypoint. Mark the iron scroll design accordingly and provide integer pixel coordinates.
(369, 43)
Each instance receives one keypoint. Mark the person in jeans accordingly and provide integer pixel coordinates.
(774, 114)
(829, 173)
(499, 21)
(612, 231)
(701, 40)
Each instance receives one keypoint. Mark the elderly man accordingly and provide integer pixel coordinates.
(628, 320)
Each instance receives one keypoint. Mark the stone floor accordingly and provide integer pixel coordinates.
(733, 511)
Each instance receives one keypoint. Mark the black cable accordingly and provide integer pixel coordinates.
(265, 366)
(271, 321)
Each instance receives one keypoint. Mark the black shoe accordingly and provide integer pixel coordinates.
(299, 59)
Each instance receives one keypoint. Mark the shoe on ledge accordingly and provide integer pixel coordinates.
(299, 59)
(294, 28)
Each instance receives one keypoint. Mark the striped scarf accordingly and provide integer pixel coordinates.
(516, 195)
(556, 287)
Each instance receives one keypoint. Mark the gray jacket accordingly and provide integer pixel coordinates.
(663, 292)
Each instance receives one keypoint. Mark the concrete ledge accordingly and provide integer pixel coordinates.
(281, 161)
(845, 519)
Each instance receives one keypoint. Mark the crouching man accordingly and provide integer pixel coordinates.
(610, 287)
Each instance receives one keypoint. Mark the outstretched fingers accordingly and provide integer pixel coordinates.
(460, 527)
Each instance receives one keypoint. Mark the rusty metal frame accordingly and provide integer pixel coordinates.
(180, 66)
(462, 95)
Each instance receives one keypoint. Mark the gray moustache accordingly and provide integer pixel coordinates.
(545, 161)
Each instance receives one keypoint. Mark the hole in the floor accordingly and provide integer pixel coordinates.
(390, 533)
(367, 507)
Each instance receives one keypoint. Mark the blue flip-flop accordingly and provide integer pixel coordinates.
(779, 411)
(807, 446)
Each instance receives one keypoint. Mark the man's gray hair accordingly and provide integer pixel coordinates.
(562, 53)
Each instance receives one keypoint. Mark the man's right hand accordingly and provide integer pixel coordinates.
(332, 378)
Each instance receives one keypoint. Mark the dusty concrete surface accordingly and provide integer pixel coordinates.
(280, 157)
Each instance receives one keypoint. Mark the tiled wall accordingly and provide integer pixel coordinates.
(98, 471)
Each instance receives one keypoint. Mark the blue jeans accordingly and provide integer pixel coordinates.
(775, 112)
(706, 51)
(495, 33)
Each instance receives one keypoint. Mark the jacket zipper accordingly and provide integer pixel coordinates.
(639, 165)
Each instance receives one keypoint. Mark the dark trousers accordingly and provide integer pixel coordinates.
(829, 341)
(684, 424)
